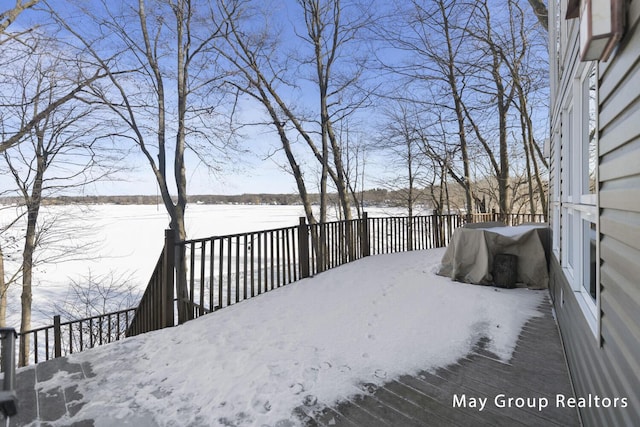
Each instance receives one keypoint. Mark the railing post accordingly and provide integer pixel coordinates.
(364, 235)
(57, 337)
(320, 241)
(167, 286)
(185, 312)
(22, 351)
(8, 397)
(351, 239)
(303, 247)
(436, 230)
(410, 232)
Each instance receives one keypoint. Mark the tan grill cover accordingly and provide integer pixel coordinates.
(469, 256)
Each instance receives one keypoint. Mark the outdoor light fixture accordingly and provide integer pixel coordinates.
(601, 26)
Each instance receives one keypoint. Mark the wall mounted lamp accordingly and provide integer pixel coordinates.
(601, 26)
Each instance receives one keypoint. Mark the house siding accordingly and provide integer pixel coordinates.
(609, 370)
(607, 364)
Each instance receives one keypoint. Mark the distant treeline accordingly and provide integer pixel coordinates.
(376, 196)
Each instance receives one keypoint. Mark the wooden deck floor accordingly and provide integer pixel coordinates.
(537, 371)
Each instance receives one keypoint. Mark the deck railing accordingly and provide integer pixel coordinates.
(155, 310)
(63, 338)
(199, 276)
(219, 271)
(400, 234)
(332, 244)
(8, 397)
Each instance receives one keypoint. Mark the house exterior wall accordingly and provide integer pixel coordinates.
(603, 348)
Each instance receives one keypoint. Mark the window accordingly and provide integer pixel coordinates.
(589, 258)
(554, 201)
(590, 110)
(578, 202)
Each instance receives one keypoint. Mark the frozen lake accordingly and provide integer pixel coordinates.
(122, 242)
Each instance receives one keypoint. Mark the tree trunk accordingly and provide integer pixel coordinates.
(9, 16)
(27, 277)
(33, 209)
(323, 179)
(527, 156)
(177, 210)
(410, 199)
(541, 11)
(4, 288)
(536, 174)
(459, 109)
(340, 181)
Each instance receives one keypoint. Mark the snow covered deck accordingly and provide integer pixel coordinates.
(380, 341)
(532, 389)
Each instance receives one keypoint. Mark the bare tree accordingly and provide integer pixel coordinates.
(402, 140)
(59, 154)
(8, 16)
(541, 12)
(102, 298)
(253, 57)
(94, 294)
(19, 134)
(164, 93)
(162, 88)
(8, 245)
(331, 29)
(509, 77)
(268, 72)
(475, 74)
(432, 38)
(356, 150)
(12, 49)
(528, 77)
(4, 288)
(491, 84)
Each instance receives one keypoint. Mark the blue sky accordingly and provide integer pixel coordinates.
(259, 168)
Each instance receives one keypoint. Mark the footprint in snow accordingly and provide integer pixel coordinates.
(297, 388)
(276, 369)
(260, 405)
(369, 387)
(380, 373)
(310, 400)
(240, 419)
(310, 374)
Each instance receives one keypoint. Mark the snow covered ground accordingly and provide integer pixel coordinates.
(307, 343)
(119, 241)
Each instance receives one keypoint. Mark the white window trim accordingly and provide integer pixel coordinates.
(555, 216)
(574, 204)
